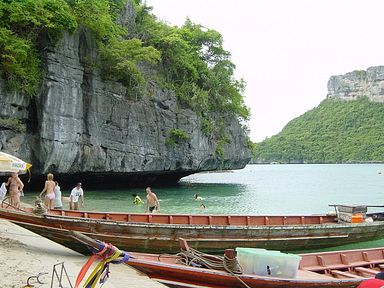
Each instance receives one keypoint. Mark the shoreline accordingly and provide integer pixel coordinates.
(26, 254)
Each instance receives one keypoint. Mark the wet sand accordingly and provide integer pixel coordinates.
(25, 254)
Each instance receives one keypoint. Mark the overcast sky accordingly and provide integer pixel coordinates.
(286, 50)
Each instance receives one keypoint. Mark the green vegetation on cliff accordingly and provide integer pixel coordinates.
(194, 64)
(30, 26)
(192, 60)
(334, 132)
(198, 69)
(23, 23)
(189, 60)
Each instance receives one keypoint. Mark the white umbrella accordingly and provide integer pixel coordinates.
(9, 163)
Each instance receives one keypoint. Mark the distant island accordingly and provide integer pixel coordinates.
(347, 127)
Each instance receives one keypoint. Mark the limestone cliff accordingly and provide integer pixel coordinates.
(358, 84)
(80, 127)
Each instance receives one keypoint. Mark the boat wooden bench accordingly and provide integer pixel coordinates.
(366, 271)
(344, 274)
(319, 263)
(303, 274)
(343, 261)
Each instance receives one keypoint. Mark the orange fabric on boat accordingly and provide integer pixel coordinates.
(84, 269)
(88, 264)
(357, 218)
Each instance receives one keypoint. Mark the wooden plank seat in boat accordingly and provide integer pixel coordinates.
(303, 274)
(320, 263)
(366, 271)
(374, 257)
(344, 274)
(342, 261)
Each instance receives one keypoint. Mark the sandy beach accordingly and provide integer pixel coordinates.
(26, 254)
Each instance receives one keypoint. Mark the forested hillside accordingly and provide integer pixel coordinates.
(334, 132)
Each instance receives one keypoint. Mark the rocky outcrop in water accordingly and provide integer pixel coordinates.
(80, 127)
(356, 84)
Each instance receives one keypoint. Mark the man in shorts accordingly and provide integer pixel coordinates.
(76, 193)
(153, 203)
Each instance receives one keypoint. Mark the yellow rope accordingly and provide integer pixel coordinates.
(99, 269)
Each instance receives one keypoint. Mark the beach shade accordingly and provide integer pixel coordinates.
(9, 163)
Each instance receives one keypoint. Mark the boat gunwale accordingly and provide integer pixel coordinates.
(209, 218)
(77, 219)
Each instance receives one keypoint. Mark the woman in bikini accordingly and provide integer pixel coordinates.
(49, 189)
(15, 186)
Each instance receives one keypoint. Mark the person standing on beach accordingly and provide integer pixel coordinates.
(76, 193)
(153, 203)
(15, 188)
(58, 204)
(49, 189)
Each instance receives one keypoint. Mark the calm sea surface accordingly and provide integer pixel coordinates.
(257, 189)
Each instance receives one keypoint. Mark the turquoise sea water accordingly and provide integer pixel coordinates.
(257, 189)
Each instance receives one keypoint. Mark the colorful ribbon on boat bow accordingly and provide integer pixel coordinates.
(108, 254)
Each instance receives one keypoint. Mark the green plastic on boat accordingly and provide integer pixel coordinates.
(270, 263)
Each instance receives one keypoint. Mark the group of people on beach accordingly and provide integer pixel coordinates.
(54, 199)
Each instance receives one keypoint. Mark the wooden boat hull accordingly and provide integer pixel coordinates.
(346, 268)
(163, 237)
(187, 277)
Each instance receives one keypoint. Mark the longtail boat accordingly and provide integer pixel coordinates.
(325, 269)
(159, 233)
(328, 269)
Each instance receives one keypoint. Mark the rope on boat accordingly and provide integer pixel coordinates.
(108, 254)
(195, 258)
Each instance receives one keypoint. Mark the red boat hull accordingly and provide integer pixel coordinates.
(159, 233)
(187, 277)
